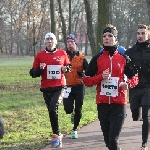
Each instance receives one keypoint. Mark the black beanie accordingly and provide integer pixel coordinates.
(110, 30)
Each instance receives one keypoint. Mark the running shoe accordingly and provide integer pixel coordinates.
(144, 148)
(74, 134)
(56, 140)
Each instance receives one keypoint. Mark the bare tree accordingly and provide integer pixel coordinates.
(110, 10)
(23, 23)
(63, 26)
(53, 18)
(1, 27)
(90, 30)
(10, 6)
(103, 19)
(148, 7)
(70, 17)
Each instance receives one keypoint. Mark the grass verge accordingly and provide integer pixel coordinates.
(24, 111)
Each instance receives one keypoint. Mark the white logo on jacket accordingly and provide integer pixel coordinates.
(57, 58)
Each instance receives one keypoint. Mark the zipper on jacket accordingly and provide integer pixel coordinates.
(110, 57)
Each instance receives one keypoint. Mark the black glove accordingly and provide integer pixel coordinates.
(80, 74)
(35, 72)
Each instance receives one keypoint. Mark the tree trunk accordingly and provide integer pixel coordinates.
(63, 26)
(11, 42)
(70, 17)
(34, 42)
(103, 19)
(148, 7)
(110, 12)
(53, 20)
(86, 45)
(90, 30)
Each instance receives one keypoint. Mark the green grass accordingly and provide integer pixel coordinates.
(23, 109)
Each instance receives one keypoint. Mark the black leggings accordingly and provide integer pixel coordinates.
(146, 121)
(75, 101)
(111, 117)
(51, 99)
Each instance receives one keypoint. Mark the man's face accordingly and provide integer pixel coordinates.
(50, 43)
(71, 45)
(142, 35)
(109, 39)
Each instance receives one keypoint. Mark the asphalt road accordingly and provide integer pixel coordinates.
(91, 138)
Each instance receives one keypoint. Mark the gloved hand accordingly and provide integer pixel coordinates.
(68, 68)
(80, 74)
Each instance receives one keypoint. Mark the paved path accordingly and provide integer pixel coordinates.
(91, 138)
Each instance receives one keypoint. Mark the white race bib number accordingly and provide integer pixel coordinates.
(53, 72)
(109, 87)
(67, 92)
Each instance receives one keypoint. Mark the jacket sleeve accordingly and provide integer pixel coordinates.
(133, 81)
(67, 62)
(90, 81)
(131, 72)
(85, 65)
(91, 77)
(92, 67)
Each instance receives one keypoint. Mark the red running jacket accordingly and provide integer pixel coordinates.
(52, 75)
(118, 64)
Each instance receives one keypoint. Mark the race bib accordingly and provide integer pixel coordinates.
(109, 87)
(67, 92)
(53, 72)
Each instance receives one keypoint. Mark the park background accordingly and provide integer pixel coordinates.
(23, 24)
